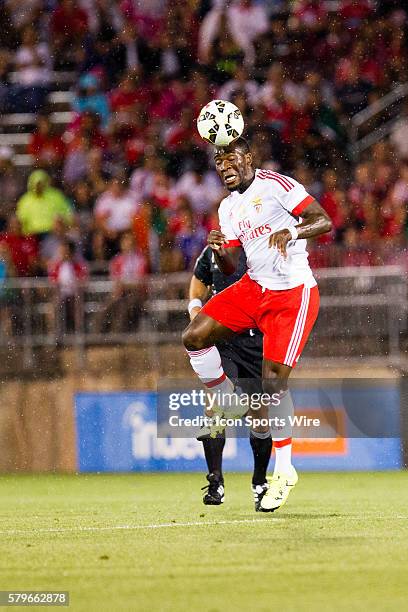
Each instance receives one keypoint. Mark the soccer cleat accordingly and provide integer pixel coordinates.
(278, 492)
(210, 431)
(214, 495)
(258, 492)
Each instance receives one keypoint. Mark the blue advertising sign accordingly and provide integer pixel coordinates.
(117, 432)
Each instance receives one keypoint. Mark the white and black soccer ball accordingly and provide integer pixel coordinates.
(220, 122)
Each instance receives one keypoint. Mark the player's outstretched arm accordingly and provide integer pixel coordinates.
(198, 292)
(225, 257)
(316, 221)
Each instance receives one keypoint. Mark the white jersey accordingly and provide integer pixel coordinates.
(271, 203)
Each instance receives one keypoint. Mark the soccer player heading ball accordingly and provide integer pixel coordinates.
(270, 216)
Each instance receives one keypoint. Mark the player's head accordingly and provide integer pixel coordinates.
(234, 164)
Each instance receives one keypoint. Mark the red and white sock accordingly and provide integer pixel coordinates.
(283, 444)
(206, 363)
(283, 455)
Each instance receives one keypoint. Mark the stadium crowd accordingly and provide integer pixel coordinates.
(127, 187)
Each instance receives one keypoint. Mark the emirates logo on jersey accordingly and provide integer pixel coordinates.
(244, 225)
(253, 234)
(257, 202)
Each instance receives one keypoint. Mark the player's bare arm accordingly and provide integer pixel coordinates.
(226, 258)
(197, 291)
(315, 222)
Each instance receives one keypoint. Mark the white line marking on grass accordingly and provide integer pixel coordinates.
(268, 519)
(136, 527)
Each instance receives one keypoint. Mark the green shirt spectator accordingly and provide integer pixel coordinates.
(38, 208)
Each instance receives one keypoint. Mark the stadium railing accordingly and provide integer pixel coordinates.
(363, 313)
(376, 120)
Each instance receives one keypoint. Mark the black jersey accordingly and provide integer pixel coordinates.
(246, 348)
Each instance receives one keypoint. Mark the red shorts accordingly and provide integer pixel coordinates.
(285, 317)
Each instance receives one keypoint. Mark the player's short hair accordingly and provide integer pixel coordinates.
(240, 143)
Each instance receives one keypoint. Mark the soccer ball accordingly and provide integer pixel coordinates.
(220, 122)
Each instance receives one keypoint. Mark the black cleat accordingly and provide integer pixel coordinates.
(214, 495)
(258, 492)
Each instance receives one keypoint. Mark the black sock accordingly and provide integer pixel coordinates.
(261, 448)
(213, 448)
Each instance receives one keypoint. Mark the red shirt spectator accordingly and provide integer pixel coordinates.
(86, 126)
(355, 11)
(69, 20)
(310, 13)
(23, 249)
(170, 102)
(67, 272)
(45, 146)
(280, 115)
(129, 265)
(127, 94)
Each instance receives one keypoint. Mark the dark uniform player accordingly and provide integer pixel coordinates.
(242, 360)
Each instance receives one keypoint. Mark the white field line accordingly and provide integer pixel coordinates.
(136, 527)
(264, 521)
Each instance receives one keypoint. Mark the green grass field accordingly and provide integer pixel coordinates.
(146, 542)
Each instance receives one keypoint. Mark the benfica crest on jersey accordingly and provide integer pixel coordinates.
(257, 202)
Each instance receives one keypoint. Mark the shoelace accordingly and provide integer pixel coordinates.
(256, 494)
(212, 487)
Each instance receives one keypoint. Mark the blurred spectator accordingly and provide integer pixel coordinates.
(127, 270)
(97, 254)
(46, 145)
(68, 25)
(23, 12)
(83, 203)
(240, 83)
(309, 15)
(10, 185)
(141, 181)
(247, 20)
(5, 69)
(33, 64)
(86, 125)
(353, 92)
(115, 210)
(189, 238)
(51, 243)
(91, 98)
(85, 157)
(9, 298)
(355, 254)
(76, 162)
(243, 21)
(8, 18)
(202, 189)
(68, 273)
(143, 70)
(128, 92)
(33, 61)
(399, 192)
(38, 208)
(332, 202)
(399, 134)
(23, 250)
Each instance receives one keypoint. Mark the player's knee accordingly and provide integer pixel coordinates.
(274, 377)
(193, 339)
(274, 383)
